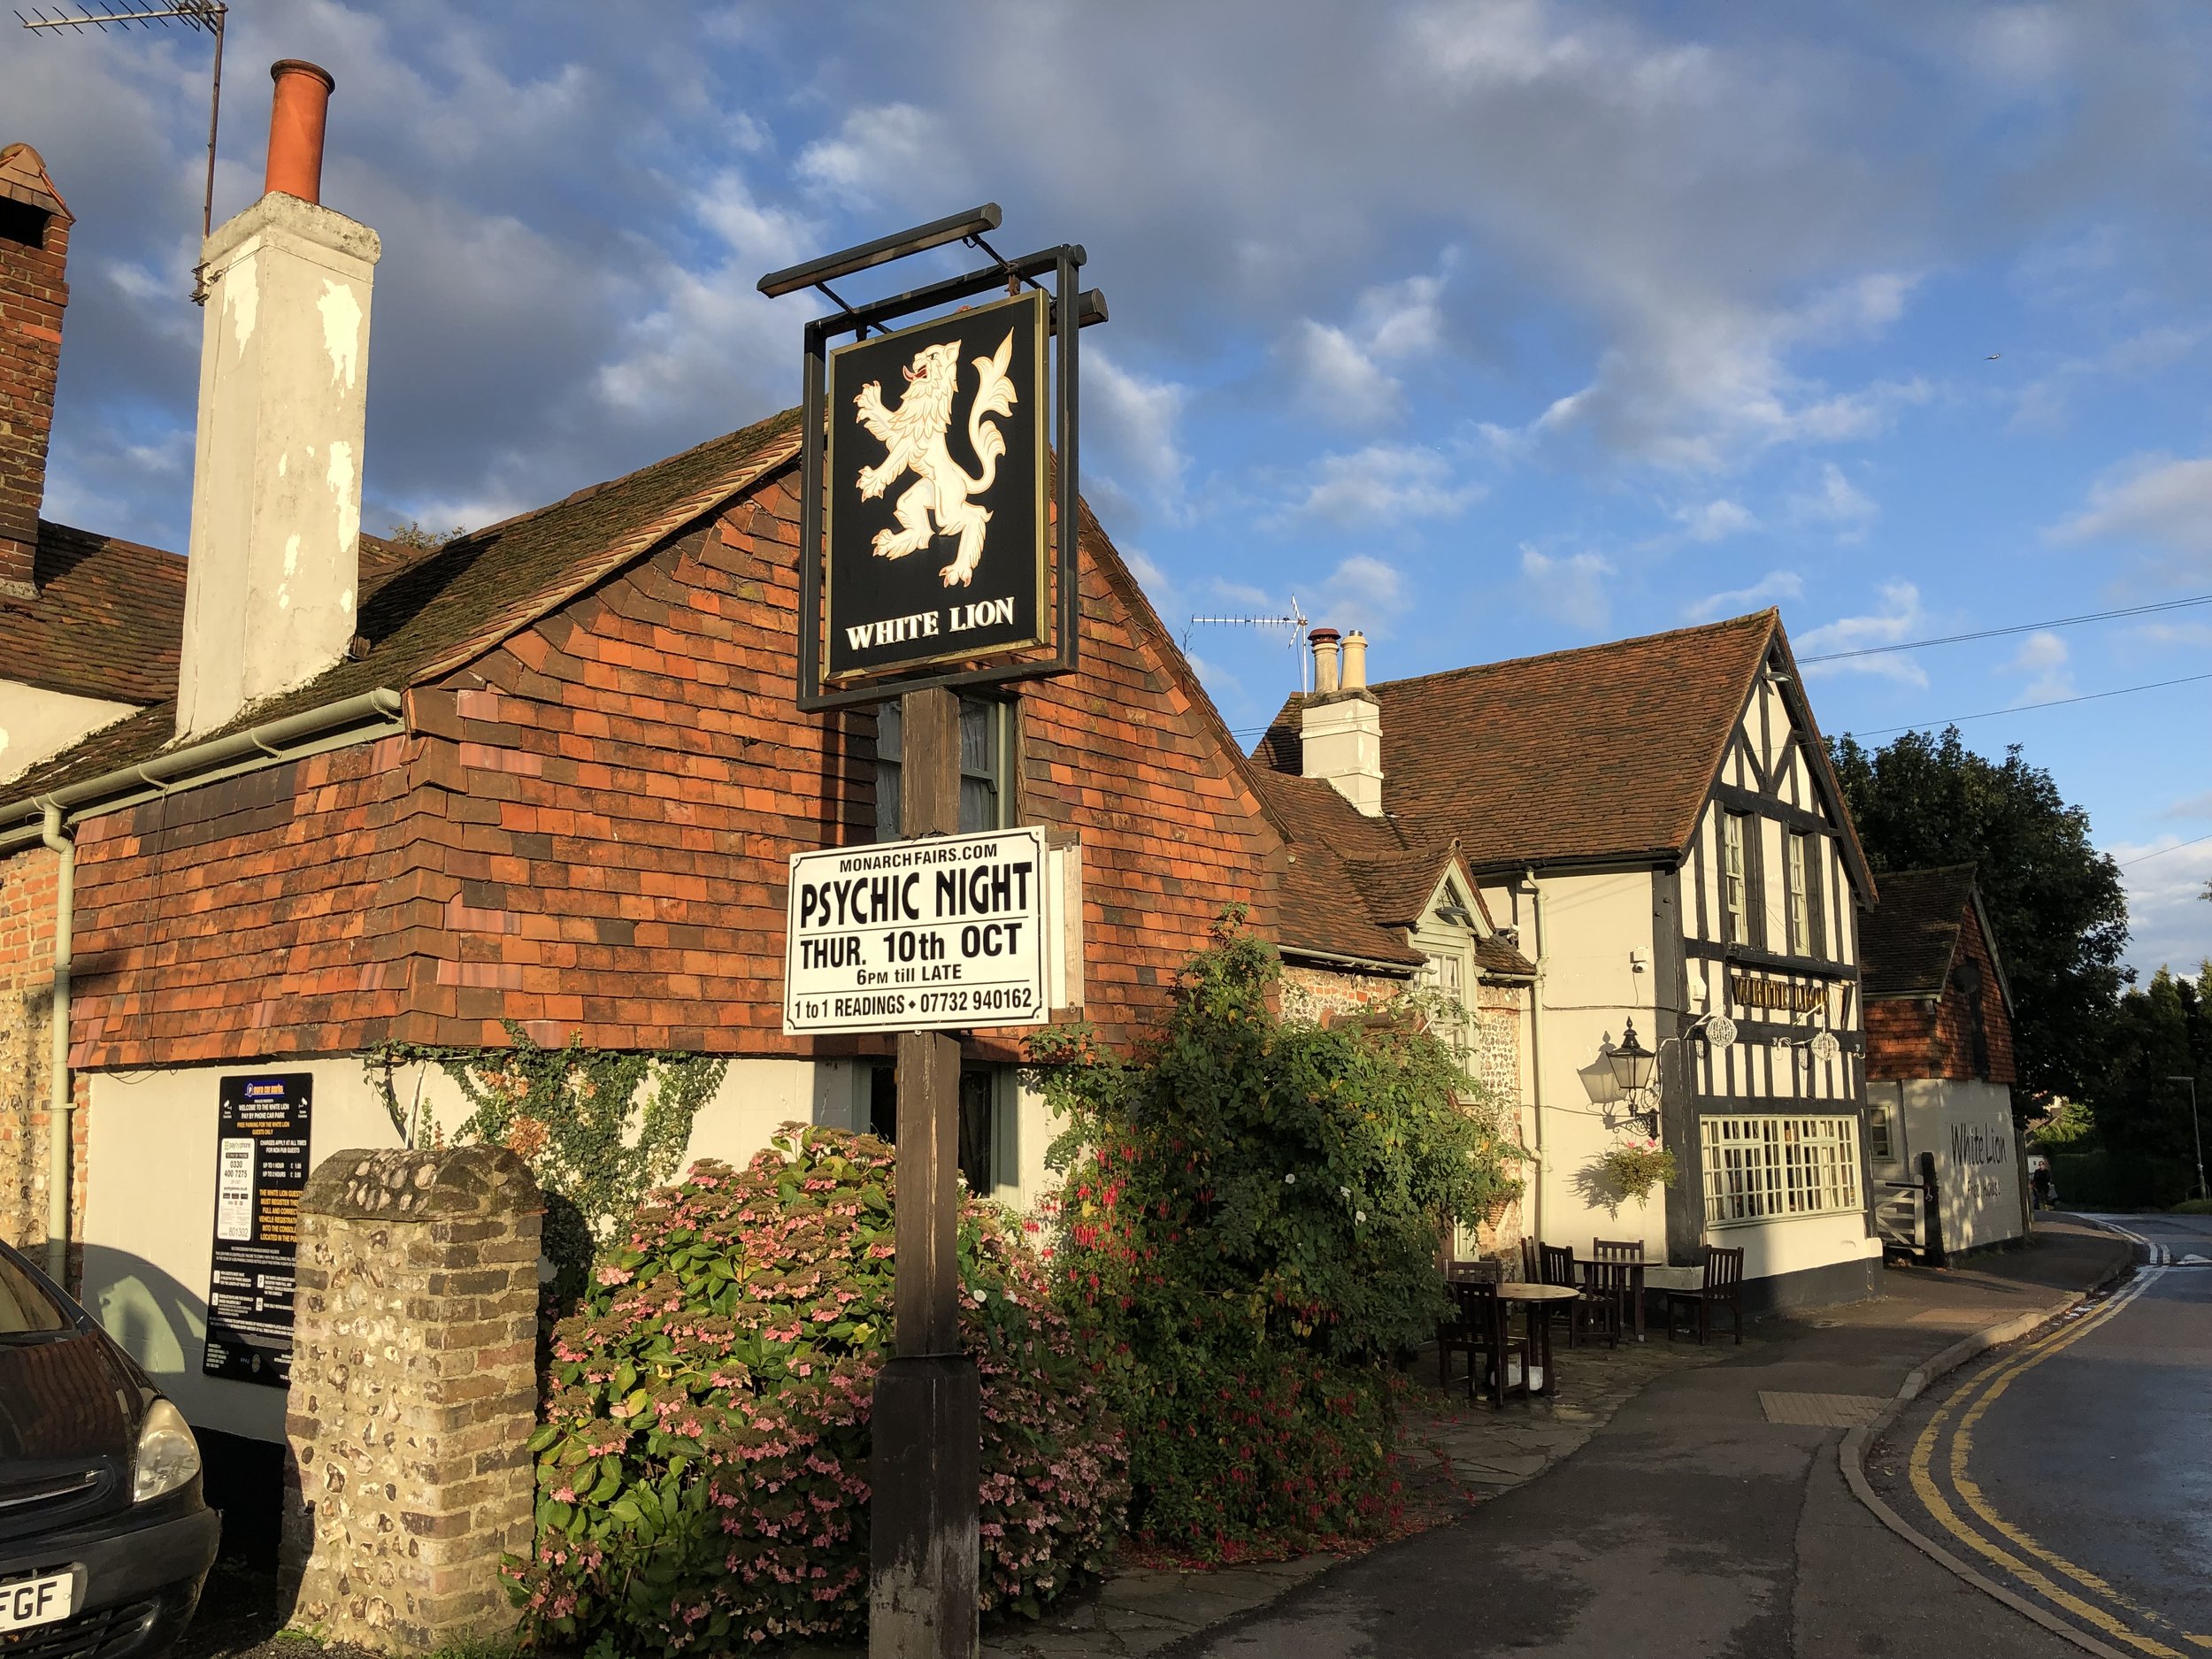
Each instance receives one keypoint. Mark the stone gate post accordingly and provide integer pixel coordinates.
(413, 1395)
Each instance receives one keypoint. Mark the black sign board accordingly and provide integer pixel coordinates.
(260, 1170)
(934, 493)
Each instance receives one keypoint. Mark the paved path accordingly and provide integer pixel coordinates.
(1706, 1517)
(2076, 1470)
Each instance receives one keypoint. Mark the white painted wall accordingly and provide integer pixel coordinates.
(1967, 1126)
(1797, 1243)
(150, 1219)
(36, 724)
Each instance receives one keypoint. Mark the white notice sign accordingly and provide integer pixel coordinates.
(233, 1189)
(938, 934)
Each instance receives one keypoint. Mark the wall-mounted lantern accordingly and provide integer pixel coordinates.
(1636, 1068)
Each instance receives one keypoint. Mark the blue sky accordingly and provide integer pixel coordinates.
(1491, 329)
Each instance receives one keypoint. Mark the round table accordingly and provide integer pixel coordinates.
(1537, 1302)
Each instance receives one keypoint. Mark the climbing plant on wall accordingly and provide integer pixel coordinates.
(599, 1128)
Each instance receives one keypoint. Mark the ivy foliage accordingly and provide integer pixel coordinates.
(702, 1467)
(1252, 1213)
(599, 1128)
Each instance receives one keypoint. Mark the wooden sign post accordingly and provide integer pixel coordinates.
(925, 472)
(928, 1415)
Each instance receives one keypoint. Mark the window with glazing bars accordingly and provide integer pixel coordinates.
(985, 801)
(1801, 902)
(1767, 1169)
(1734, 930)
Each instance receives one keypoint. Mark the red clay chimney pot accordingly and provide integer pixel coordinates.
(295, 128)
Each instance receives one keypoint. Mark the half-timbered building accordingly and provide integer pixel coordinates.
(1655, 826)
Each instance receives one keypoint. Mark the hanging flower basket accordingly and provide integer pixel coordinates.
(1636, 1170)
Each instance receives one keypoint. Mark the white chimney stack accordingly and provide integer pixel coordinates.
(271, 588)
(1340, 724)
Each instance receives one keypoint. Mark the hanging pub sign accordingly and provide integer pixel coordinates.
(260, 1170)
(941, 934)
(935, 459)
(934, 491)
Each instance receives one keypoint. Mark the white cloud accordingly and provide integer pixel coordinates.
(2195, 806)
(1716, 520)
(886, 155)
(1131, 425)
(1770, 587)
(2043, 655)
(1837, 501)
(1569, 588)
(2152, 500)
(1383, 484)
(1900, 619)
(2169, 925)
(1363, 592)
(1341, 370)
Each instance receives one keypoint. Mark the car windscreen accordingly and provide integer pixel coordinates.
(26, 1308)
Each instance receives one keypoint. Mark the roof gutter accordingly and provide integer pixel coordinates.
(374, 714)
(1402, 970)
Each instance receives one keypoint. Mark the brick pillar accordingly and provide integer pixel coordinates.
(414, 1391)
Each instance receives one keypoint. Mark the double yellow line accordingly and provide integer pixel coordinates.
(2003, 1543)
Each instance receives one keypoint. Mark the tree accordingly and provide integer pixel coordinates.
(2054, 900)
(2161, 1032)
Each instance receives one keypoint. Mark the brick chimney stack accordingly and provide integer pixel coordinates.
(33, 260)
(276, 476)
(1340, 725)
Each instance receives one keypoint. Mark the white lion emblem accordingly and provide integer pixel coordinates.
(914, 435)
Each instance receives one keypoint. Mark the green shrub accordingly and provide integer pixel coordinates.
(702, 1468)
(1252, 1213)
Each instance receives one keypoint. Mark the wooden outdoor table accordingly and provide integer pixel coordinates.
(1536, 1302)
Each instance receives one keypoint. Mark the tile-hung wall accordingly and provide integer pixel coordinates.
(1769, 920)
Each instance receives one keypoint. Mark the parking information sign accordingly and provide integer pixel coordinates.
(943, 934)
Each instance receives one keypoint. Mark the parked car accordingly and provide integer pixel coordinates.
(104, 1538)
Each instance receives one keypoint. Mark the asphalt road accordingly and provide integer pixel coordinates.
(1694, 1524)
(2075, 1468)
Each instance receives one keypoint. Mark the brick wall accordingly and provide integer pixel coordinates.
(26, 989)
(1327, 993)
(1907, 1039)
(587, 831)
(34, 261)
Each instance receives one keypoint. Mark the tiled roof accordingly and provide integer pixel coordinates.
(109, 614)
(1397, 885)
(1907, 941)
(426, 615)
(1323, 910)
(1496, 957)
(1607, 751)
(105, 622)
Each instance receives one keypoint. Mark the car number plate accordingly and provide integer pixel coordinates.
(30, 1602)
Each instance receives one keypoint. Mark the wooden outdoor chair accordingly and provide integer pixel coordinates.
(1609, 1277)
(1455, 1335)
(1607, 1286)
(1479, 1332)
(1552, 1264)
(1722, 1288)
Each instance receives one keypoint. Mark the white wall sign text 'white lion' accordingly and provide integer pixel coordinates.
(913, 434)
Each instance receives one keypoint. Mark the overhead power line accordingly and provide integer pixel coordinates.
(2055, 703)
(2023, 627)
(2144, 858)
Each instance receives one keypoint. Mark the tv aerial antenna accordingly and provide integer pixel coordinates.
(1295, 622)
(205, 16)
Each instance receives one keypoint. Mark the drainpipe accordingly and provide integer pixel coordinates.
(61, 1107)
(1536, 1046)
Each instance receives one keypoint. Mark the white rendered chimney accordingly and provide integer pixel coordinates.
(276, 483)
(1341, 724)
